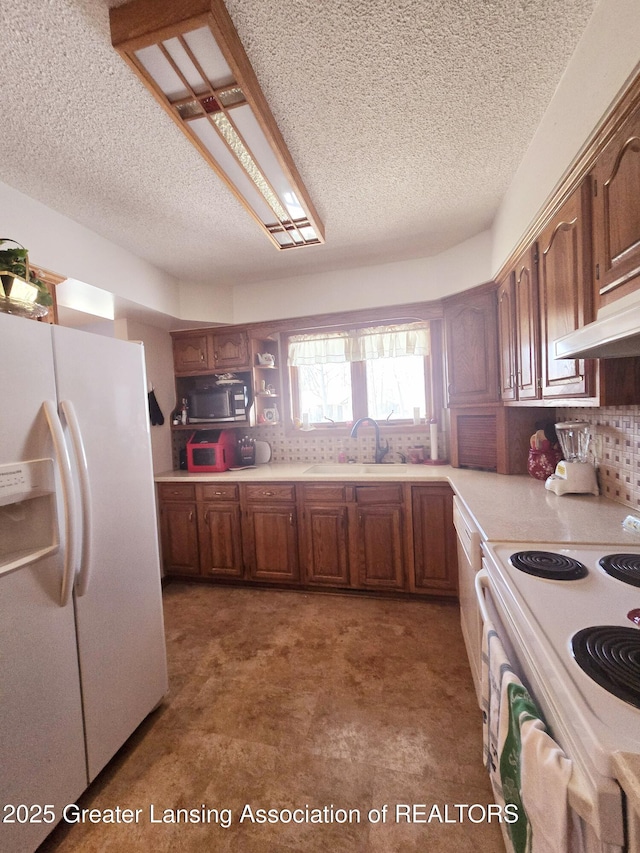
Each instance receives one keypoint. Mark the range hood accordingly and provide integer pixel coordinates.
(615, 334)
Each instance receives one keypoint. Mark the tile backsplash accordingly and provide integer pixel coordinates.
(307, 447)
(323, 447)
(616, 446)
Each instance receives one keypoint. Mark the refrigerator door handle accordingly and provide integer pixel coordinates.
(66, 479)
(69, 412)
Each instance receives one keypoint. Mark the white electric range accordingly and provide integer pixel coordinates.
(592, 709)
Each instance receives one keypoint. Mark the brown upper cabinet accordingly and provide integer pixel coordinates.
(519, 330)
(507, 337)
(616, 213)
(564, 263)
(205, 352)
(230, 350)
(471, 341)
(192, 353)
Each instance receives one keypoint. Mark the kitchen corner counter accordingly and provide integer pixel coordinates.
(518, 508)
(512, 508)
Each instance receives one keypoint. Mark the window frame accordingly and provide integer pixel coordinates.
(358, 385)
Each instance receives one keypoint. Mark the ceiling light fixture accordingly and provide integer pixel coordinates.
(191, 58)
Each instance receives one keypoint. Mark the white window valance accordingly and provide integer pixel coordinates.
(359, 344)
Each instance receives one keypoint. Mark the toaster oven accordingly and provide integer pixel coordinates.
(211, 450)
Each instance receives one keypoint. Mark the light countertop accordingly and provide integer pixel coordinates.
(514, 508)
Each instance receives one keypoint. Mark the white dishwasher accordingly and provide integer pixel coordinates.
(469, 563)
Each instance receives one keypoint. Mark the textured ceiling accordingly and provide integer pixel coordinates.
(406, 118)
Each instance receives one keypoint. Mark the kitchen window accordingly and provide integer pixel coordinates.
(341, 375)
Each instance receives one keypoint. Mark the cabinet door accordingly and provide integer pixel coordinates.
(179, 535)
(270, 536)
(326, 544)
(191, 354)
(616, 225)
(471, 331)
(506, 338)
(231, 350)
(565, 295)
(380, 547)
(434, 541)
(378, 537)
(527, 325)
(220, 540)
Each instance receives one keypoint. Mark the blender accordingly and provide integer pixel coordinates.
(575, 473)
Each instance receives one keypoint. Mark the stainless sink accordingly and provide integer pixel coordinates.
(355, 470)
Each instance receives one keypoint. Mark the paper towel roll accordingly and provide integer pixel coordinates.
(433, 438)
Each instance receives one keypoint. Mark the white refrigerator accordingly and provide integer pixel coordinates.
(82, 651)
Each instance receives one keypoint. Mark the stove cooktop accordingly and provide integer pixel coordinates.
(549, 565)
(624, 567)
(548, 614)
(610, 655)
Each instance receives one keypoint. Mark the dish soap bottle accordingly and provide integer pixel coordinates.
(342, 456)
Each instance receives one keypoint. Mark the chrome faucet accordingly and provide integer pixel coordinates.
(381, 449)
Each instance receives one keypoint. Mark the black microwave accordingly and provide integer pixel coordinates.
(228, 403)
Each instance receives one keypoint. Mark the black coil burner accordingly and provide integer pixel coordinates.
(546, 564)
(610, 655)
(624, 567)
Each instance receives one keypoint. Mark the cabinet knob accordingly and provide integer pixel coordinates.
(267, 494)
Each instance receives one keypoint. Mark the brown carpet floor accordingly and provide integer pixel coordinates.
(283, 700)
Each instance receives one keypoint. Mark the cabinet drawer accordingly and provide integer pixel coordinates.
(218, 492)
(176, 492)
(271, 492)
(387, 494)
(321, 492)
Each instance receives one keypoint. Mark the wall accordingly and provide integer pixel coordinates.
(158, 356)
(418, 280)
(63, 246)
(604, 59)
(617, 431)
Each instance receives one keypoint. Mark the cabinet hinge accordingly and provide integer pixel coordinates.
(535, 257)
(595, 188)
(597, 272)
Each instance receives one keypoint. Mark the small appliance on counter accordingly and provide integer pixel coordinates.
(247, 448)
(575, 474)
(211, 450)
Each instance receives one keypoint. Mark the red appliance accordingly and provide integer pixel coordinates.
(211, 450)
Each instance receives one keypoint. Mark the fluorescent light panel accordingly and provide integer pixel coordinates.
(187, 63)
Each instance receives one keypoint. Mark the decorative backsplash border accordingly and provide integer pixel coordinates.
(616, 447)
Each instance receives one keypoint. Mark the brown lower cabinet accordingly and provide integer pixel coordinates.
(179, 529)
(377, 536)
(434, 540)
(380, 536)
(270, 533)
(326, 528)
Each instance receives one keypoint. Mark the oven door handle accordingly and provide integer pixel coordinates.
(481, 582)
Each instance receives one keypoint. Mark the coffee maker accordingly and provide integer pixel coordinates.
(575, 474)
